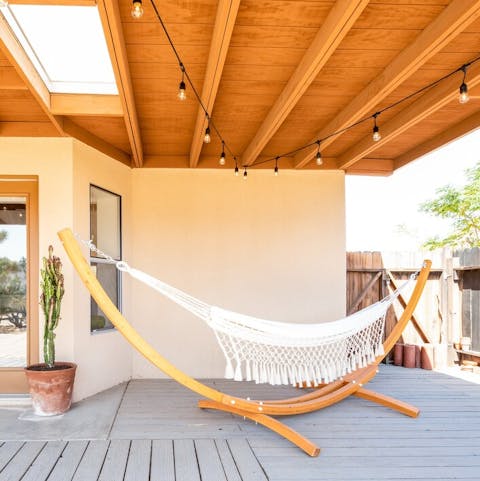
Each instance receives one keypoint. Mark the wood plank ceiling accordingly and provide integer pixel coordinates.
(274, 76)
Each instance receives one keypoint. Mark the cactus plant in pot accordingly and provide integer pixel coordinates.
(51, 383)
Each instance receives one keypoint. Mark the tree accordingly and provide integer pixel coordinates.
(462, 206)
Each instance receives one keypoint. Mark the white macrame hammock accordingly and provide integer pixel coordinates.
(278, 352)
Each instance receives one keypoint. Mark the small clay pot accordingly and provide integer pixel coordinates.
(427, 357)
(409, 355)
(51, 389)
(398, 354)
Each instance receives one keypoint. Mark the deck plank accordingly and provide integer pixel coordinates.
(116, 460)
(250, 469)
(8, 451)
(209, 462)
(92, 461)
(45, 461)
(229, 466)
(69, 461)
(22, 460)
(163, 465)
(186, 465)
(138, 464)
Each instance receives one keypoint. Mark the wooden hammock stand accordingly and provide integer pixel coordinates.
(258, 411)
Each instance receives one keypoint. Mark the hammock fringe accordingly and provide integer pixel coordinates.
(282, 353)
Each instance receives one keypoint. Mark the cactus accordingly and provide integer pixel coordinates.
(52, 291)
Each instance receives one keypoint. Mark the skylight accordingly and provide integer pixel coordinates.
(66, 45)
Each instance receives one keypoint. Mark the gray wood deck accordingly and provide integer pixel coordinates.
(157, 433)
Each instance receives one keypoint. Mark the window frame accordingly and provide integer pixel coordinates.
(99, 260)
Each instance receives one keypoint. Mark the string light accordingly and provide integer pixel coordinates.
(318, 157)
(222, 155)
(275, 170)
(137, 9)
(245, 173)
(137, 12)
(463, 96)
(206, 138)
(376, 131)
(182, 95)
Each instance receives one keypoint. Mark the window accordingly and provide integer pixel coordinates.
(66, 45)
(106, 234)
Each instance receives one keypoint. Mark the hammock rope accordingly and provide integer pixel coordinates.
(279, 352)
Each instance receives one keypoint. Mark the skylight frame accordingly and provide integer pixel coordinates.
(58, 86)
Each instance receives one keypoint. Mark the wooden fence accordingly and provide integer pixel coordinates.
(449, 308)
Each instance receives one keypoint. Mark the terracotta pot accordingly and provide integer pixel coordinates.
(398, 354)
(427, 357)
(409, 355)
(52, 389)
(418, 356)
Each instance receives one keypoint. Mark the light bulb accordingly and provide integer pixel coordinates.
(137, 9)
(376, 134)
(318, 159)
(207, 139)
(275, 171)
(222, 159)
(463, 97)
(236, 171)
(245, 174)
(181, 91)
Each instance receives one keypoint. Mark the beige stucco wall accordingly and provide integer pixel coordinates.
(104, 358)
(271, 247)
(65, 168)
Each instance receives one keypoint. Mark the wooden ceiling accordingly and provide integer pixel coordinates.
(274, 75)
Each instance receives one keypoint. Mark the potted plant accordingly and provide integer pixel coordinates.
(51, 383)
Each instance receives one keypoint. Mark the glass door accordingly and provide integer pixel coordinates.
(18, 281)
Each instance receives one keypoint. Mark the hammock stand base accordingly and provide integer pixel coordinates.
(258, 411)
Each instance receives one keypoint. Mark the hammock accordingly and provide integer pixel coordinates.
(279, 352)
(273, 338)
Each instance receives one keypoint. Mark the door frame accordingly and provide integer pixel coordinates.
(12, 379)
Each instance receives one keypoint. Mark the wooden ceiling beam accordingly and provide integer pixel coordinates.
(92, 140)
(28, 129)
(86, 105)
(112, 27)
(428, 103)
(26, 71)
(338, 23)
(68, 3)
(453, 20)
(454, 132)
(224, 22)
(378, 167)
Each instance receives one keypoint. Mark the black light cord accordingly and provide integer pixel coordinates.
(275, 158)
(211, 123)
(374, 116)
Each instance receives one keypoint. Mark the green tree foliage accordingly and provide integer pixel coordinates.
(462, 206)
(12, 290)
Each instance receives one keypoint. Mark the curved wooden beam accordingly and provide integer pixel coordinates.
(288, 433)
